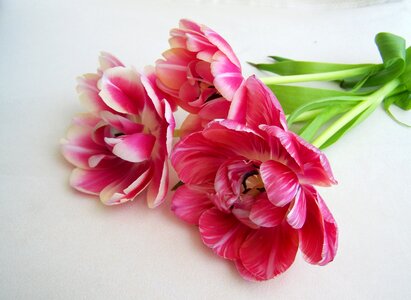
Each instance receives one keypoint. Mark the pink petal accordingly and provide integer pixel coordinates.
(215, 109)
(221, 44)
(121, 90)
(170, 75)
(280, 182)
(241, 210)
(268, 252)
(189, 203)
(121, 123)
(265, 214)
(256, 105)
(222, 232)
(95, 180)
(134, 148)
(88, 93)
(196, 159)
(128, 186)
(195, 42)
(192, 123)
(158, 188)
(108, 61)
(244, 272)
(318, 236)
(188, 24)
(237, 137)
(227, 76)
(228, 182)
(296, 216)
(314, 165)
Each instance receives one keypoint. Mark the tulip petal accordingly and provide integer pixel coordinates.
(318, 236)
(280, 182)
(244, 272)
(158, 188)
(128, 186)
(227, 76)
(254, 104)
(121, 123)
(189, 203)
(228, 180)
(239, 138)
(265, 214)
(196, 159)
(93, 181)
(133, 148)
(108, 61)
(121, 90)
(223, 233)
(192, 123)
(296, 216)
(313, 163)
(268, 252)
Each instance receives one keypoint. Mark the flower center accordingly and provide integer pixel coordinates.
(252, 184)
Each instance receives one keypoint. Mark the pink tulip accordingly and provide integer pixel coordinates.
(200, 72)
(120, 148)
(248, 185)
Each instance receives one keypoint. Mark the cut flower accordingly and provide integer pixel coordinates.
(120, 148)
(249, 186)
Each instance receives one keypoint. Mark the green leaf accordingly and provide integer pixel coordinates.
(393, 53)
(292, 67)
(292, 97)
(359, 118)
(310, 130)
(341, 101)
(406, 76)
(402, 100)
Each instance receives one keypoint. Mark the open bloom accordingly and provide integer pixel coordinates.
(249, 186)
(121, 147)
(200, 72)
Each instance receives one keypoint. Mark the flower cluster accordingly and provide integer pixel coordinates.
(247, 181)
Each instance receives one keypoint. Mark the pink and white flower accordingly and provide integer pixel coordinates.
(121, 147)
(249, 186)
(200, 72)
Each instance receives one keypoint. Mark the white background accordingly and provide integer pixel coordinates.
(56, 243)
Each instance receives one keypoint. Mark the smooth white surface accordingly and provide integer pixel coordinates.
(59, 244)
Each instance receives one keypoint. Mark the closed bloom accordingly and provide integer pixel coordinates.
(249, 186)
(200, 72)
(120, 148)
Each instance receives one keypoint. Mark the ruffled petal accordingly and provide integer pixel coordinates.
(238, 137)
(318, 236)
(127, 186)
(268, 252)
(121, 90)
(108, 61)
(227, 76)
(133, 148)
(297, 214)
(189, 203)
(228, 180)
(244, 272)
(265, 214)
(280, 182)
(254, 104)
(223, 233)
(196, 159)
(158, 188)
(315, 168)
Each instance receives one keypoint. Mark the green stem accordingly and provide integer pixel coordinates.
(373, 99)
(326, 76)
(306, 116)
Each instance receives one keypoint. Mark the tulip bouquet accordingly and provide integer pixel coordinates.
(245, 178)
